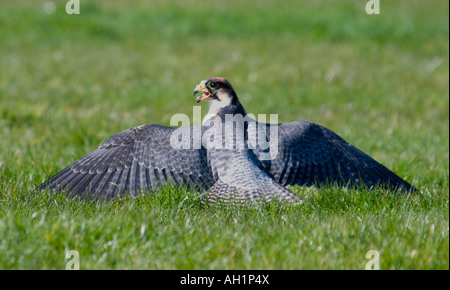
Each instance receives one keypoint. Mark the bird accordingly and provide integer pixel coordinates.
(228, 164)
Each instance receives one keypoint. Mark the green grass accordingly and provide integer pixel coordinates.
(68, 82)
(173, 230)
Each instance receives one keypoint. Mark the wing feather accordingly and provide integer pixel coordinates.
(319, 156)
(135, 160)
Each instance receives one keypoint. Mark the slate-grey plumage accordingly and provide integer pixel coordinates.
(142, 158)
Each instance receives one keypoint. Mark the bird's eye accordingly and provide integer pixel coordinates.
(212, 85)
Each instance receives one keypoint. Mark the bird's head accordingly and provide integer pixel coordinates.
(216, 91)
(220, 96)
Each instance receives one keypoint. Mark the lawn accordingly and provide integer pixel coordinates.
(381, 82)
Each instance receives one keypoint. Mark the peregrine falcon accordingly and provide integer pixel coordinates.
(230, 162)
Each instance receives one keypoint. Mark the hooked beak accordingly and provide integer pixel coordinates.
(201, 88)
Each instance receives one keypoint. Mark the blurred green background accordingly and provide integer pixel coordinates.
(68, 82)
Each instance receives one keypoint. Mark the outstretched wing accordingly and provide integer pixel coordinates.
(309, 154)
(135, 160)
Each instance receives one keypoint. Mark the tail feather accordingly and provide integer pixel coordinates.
(224, 192)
